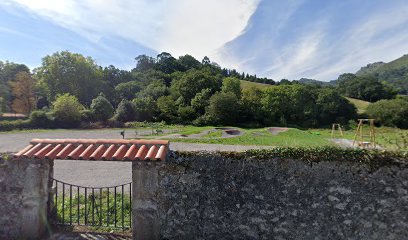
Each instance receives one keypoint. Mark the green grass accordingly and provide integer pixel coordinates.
(292, 137)
(215, 134)
(106, 212)
(360, 104)
(247, 84)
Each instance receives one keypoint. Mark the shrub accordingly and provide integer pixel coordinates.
(392, 113)
(67, 111)
(14, 125)
(223, 108)
(87, 115)
(373, 158)
(41, 119)
(145, 109)
(125, 111)
(102, 108)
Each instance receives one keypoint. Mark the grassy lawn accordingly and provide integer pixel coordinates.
(292, 137)
(360, 104)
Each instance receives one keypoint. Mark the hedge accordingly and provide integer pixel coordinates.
(15, 125)
(372, 157)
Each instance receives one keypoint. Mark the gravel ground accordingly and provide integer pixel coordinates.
(90, 173)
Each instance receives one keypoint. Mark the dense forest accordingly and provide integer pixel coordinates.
(70, 90)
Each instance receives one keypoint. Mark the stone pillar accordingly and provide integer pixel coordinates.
(35, 196)
(145, 217)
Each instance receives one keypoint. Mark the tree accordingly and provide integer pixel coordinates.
(392, 113)
(188, 62)
(251, 105)
(125, 111)
(201, 100)
(23, 91)
(1, 105)
(167, 107)
(8, 71)
(232, 85)
(145, 109)
(167, 63)
(193, 81)
(102, 108)
(333, 108)
(154, 90)
(128, 90)
(290, 104)
(144, 63)
(206, 61)
(67, 110)
(365, 88)
(223, 108)
(66, 72)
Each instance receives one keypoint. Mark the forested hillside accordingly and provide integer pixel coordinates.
(394, 72)
(69, 89)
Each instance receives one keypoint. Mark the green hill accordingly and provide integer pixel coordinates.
(394, 72)
(247, 84)
(360, 104)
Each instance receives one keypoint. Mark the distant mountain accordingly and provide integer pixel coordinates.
(317, 82)
(395, 73)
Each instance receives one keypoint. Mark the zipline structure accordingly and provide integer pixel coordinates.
(363, 137)
(336, 126)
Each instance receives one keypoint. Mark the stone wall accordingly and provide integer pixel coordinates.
(24, 187)
(209, 196)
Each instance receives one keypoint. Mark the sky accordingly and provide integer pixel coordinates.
(291, 39)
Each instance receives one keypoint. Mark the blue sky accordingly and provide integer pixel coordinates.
(278, 39)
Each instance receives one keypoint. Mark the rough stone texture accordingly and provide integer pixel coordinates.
(145, 217)
(24, 187)
(210, 197)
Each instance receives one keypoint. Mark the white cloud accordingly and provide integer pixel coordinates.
(322, 47)
(197, 27)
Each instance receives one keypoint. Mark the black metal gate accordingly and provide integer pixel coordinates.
(105, 207)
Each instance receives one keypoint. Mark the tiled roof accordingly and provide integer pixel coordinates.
(96, 149)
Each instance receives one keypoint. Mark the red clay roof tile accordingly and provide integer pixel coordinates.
(151, 154)
(88, 152)
(77, 151)
(53, 153)
(65, 151)
(33, 150)
(131, 153)
(141, 154)
(98, 153)
(96, 149)
(41, 154)
(120, 153)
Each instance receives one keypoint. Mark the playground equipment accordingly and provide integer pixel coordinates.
(336, 126)
(362, 138)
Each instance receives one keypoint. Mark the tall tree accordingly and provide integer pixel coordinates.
(66, 72)
(23, 91)
(8, 71)
(144, 63)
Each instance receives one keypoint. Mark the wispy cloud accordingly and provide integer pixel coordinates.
(321, 41)
(198, 27)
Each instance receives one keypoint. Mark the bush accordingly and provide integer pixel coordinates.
(14, 125)
(373, 158)
(145, 109)
(67, 111)
(125, 111)
(392, 113)
(223, 108)
(102, 108)
(41, 119)
(87, 115)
